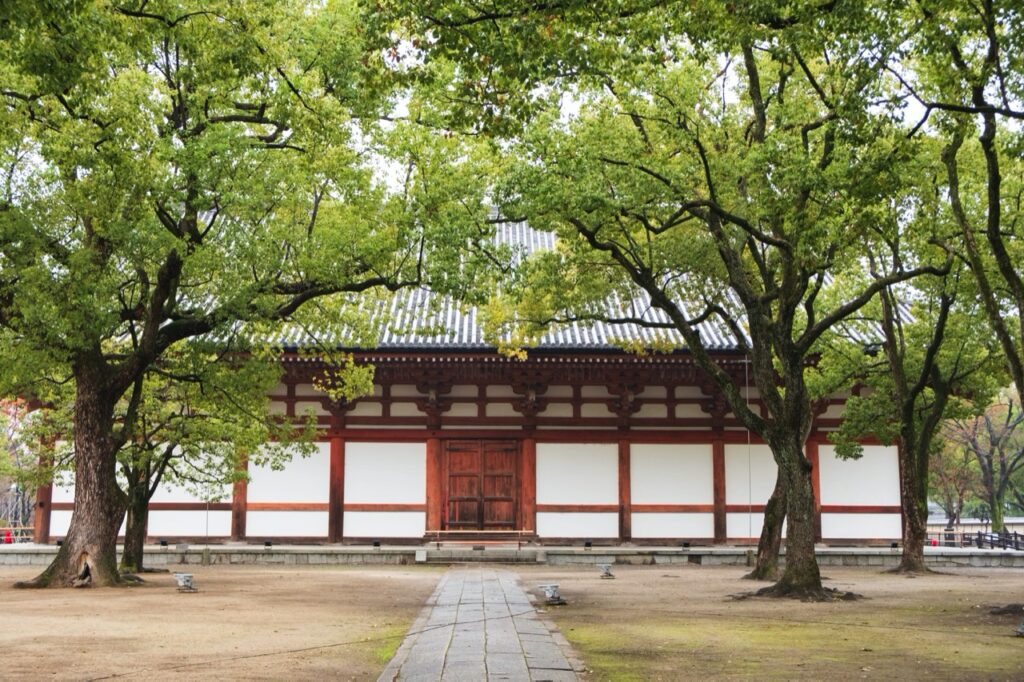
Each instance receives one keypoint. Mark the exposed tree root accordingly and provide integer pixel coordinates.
(770, 573)
(913, 572)
(1008, 610)
(822, 594)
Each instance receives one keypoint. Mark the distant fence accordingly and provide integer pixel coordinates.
(980, 539)
(10, 535)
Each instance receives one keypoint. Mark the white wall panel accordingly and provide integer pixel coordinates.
(63, 493)
(578, 473)
(872, 480)
(673, 525)
(385, 524)
(671, 474)
(866, 526)
(60, 521)
(577, 525)
(749, 474)
(191, 523)
(168, 492)
(286, 524)
(743, 525)
(386, 473)
(303, 479)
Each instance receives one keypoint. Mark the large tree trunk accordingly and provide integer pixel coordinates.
(914, 502)
(136, 520)
(801, 577)
(996, 503)
(767, 564)
(89, 553)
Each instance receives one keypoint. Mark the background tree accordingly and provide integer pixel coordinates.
(961, 66)
(180, 169)
(715, 149)
(198, 420)
(996, 440)
(954, 478)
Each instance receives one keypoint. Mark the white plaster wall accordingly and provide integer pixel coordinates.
(501, 410)
(60, 521)
(871, 480)
(597, 410)
(304, 407)
(405, 410)
(63, 493)
(749, 479)
(303, 479)
(385, 524)
(557, 410)
(286, 524)
(652, 411)
(365, 409)
(190, 523)
(671, 474)
(462, 410)
(673, 525)
(577, 525)
(742, 525)
(168, 492)
(577, 473)
(861, 526)
(688, 411)
(385, 473)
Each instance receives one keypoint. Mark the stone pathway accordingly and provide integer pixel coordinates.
(479, 625)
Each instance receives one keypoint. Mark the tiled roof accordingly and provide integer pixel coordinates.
(419, 319)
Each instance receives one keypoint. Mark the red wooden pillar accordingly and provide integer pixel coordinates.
(41, 517)
(435, 494)
(812, 457)
(336, 506)
(528, 486)
(625, 492)
(718, 473)
(240, 500)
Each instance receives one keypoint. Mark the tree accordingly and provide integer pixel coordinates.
(997, 444)
(962, 66)
(934, 367)
(183, 170)
(198, 420)
(954, 478)
(721, 167)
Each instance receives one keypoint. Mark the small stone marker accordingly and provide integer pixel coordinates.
(606, 571)
(421, 556)
(552, 595)
(185, 583)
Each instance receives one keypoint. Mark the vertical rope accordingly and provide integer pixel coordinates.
(750, 494)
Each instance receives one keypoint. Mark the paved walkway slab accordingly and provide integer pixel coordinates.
(479, 625)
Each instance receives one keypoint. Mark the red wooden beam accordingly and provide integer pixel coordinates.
(528, 485)
(239, 501)
(673, 508)
(336, 499)
(382, 507)
(434, 487)
(718, 474)
(625, 492)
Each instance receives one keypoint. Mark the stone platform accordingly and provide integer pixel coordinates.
(26, 554)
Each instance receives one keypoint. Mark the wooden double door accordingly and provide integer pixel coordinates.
(481, 484)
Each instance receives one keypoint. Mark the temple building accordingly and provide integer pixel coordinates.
(581, 441)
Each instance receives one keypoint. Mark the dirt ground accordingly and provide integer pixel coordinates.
(673, 623)
(247, 622)
(650, 623)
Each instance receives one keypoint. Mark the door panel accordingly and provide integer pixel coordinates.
(481, 484)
